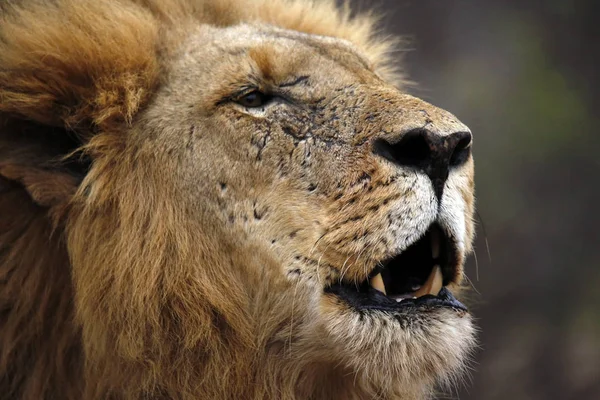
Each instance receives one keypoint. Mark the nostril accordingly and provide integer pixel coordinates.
(412, 150)
(462, 149)
(433, 153)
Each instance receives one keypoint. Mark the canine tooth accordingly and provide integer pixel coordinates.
(377, 283)
(435, 243)
(433, 285)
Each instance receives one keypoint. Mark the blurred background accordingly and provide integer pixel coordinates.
(523, 76)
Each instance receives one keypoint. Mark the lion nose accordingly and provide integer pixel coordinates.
(432, 153)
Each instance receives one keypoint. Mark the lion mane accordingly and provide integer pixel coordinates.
(98, 296)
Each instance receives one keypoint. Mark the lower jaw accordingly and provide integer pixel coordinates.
(371, 300)
(396, 346)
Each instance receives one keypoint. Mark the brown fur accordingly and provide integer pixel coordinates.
(159, 241)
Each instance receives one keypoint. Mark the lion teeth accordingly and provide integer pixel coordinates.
(433, 285)
(377, 283)
(401, 297)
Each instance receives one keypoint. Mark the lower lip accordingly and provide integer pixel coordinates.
(375, 300)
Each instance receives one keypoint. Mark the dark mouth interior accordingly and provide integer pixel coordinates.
(406, 273)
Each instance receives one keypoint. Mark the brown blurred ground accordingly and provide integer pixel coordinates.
(525, 76)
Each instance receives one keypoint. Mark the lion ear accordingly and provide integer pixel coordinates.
(68, 71)
(33, 155)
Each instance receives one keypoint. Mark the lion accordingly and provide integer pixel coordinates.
(224, 200)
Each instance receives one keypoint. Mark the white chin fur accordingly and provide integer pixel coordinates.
(405, 360)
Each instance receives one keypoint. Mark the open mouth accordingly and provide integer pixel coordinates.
(416, 277)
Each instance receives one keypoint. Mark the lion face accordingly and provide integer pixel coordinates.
(206, 208)
(325, 180)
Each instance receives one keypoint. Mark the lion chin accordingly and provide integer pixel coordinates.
(224, 199)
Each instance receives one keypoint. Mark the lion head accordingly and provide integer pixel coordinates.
(223, 199)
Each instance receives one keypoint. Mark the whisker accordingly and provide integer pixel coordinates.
(476, 265)
(319, 262)
(357, 260)
(487, 245)
(315, 244)
(366, 266)
(342, 269)
(472, 285)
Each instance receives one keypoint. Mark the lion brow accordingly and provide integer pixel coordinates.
(295, 82)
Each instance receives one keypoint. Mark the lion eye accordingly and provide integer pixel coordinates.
(254, 99)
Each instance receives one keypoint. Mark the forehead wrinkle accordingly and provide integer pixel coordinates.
(325, 46)
(332, 49)
(266, 49)
(271, 65)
